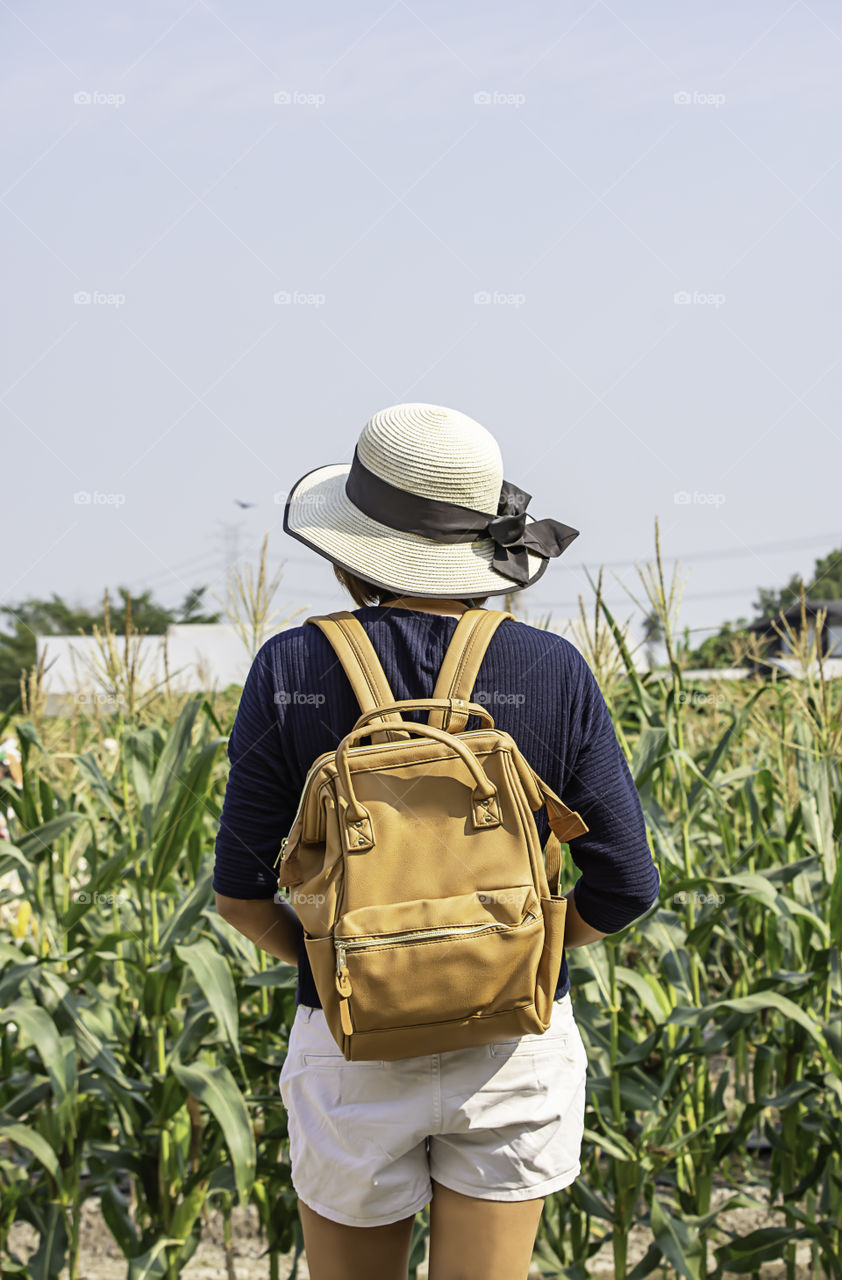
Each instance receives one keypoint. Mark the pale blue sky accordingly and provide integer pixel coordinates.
(382, 198)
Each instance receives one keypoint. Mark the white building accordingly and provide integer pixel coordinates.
(194, 656)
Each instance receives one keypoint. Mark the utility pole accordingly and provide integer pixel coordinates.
(230, 534)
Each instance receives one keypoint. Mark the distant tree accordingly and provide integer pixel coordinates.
(54, 617)
(191, 608)
(24, 622)
(723, 649)
(825, 583)
(727, 645)
(770, 600)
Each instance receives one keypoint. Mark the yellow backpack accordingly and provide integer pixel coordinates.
(415, 867)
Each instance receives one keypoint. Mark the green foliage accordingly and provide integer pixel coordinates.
(723, 649)
(717, 1017)
(141, 1036)
(137, 1050)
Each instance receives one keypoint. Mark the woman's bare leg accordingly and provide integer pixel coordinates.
(336, 1252)
(474, 1239)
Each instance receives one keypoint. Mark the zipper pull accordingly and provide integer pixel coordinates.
(343, 977)
(343, 986)
(280, 857)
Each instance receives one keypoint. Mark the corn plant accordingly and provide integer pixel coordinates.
(141, 1037)
(740, 958)
(248, 602)
(128, 1073)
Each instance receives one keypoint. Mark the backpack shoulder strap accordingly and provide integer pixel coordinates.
(565, 825)
(462, 662)
(360, 662)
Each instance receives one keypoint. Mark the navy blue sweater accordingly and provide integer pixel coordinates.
(297, 702)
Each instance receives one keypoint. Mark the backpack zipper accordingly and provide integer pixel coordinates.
(343, 977)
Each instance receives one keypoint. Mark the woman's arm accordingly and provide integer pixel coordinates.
(577, 932)
(261, 797)
(269, 924)
(619, 880)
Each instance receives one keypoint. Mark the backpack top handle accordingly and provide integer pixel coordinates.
(424, 704)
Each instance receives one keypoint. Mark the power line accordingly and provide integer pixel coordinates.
(727, 554)
(208, 560)
(692, 595)
(197, 565)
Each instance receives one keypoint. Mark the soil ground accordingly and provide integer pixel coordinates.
(101, 1259)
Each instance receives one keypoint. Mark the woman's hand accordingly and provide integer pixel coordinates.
(270, 924)
(577, 933)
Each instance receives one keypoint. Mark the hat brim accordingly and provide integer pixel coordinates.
(319, 513)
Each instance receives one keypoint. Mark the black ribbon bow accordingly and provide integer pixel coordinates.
(512, 536)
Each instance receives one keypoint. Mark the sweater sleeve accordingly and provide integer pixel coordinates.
(260, 801)
(619, 879)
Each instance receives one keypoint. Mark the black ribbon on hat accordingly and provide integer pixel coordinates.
(448, 522)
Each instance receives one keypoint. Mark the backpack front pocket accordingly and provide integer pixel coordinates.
(473, 954)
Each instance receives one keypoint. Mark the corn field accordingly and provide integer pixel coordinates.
(142, 1036)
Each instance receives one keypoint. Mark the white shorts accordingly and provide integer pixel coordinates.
(500, 1122)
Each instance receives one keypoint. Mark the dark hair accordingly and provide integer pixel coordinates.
(364, 593)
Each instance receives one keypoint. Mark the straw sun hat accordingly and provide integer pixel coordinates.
(424, 509)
